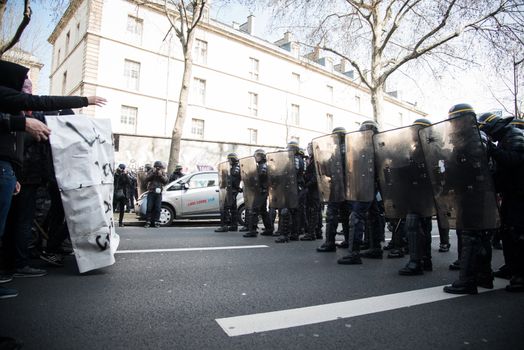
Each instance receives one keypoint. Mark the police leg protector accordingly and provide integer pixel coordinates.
(294, 224)
(426, 225)
(353, 258)
(455, 265)
(375, 233)
(331, 228)
(466, 284)
(484, 271)
(415, 240)
(251, 223)
(284, 221)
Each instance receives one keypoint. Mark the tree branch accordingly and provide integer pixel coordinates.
(16, 37)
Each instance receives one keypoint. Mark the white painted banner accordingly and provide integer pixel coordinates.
(83, 158)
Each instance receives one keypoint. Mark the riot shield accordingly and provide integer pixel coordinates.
(223, 173)
(458, 168)
(404, 182)
(360, 160)
(248, 171)
(328, 162)
(282, 180)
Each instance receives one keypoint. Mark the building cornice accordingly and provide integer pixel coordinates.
(69, 12)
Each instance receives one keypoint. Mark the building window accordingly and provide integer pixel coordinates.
(296, 81)
(200, 51)
(68, 37)
(357, 103)
(329, 122)
(58, 58)
(253, 69)
(199, 87)
(295, 114)
(253, 136)
(197, 128)
(77, 31)
(253, 104)
(329, 90)
(400, 119)
(128, 115)
(134, 28)
(132, 74)
(64, 83)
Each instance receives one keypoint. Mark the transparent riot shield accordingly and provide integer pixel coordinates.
(404, 183)
(223, 174)
(360, 160)
(282, 180)
(460, 175)
(330, 171)
(248, 171)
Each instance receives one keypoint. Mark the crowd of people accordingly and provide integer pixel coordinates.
(400, 192)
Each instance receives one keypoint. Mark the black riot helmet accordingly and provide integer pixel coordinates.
(158, 164)
(260, 155)
(232, 158)
(491, 124)
(339, 130)
(369, 125)
(518, 123)
(292, 146)
(460, 110)
(424, 122)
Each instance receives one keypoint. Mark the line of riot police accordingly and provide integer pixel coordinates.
(406, 175)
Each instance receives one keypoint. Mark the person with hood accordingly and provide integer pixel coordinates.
(13, 123)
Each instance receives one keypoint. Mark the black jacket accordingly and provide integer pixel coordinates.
(13, 101)
(509, 158)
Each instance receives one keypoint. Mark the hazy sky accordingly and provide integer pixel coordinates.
(433, 97)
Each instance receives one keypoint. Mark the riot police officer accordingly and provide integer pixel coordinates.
(509, 158)
(338, 208)
(312, 204)
(375, 222)
(418, 229)
(474, 233)
(229, 212)
(289, 216)
(259, 206)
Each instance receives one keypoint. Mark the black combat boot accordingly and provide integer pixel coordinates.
(503, 272)
(243, 229)
(266, 232)
(232, 228)
(516, 284)
(329, 244)
(221, 229)
(412, 268)
(353, 258)
(307, 237)
(466, 284)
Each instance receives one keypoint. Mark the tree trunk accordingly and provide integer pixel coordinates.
(176, 136)
(377, 98)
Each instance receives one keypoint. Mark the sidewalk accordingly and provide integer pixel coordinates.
(129, 220)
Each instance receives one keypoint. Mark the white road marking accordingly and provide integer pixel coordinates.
(189, 249)
(270, 321)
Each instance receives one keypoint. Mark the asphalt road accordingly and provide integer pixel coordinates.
(172, 299)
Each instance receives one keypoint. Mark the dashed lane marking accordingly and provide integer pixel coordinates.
(190, 249)
(270, 321)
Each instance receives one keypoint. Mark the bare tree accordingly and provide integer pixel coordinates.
(24, 21)
(183, 22)
(378, 37)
